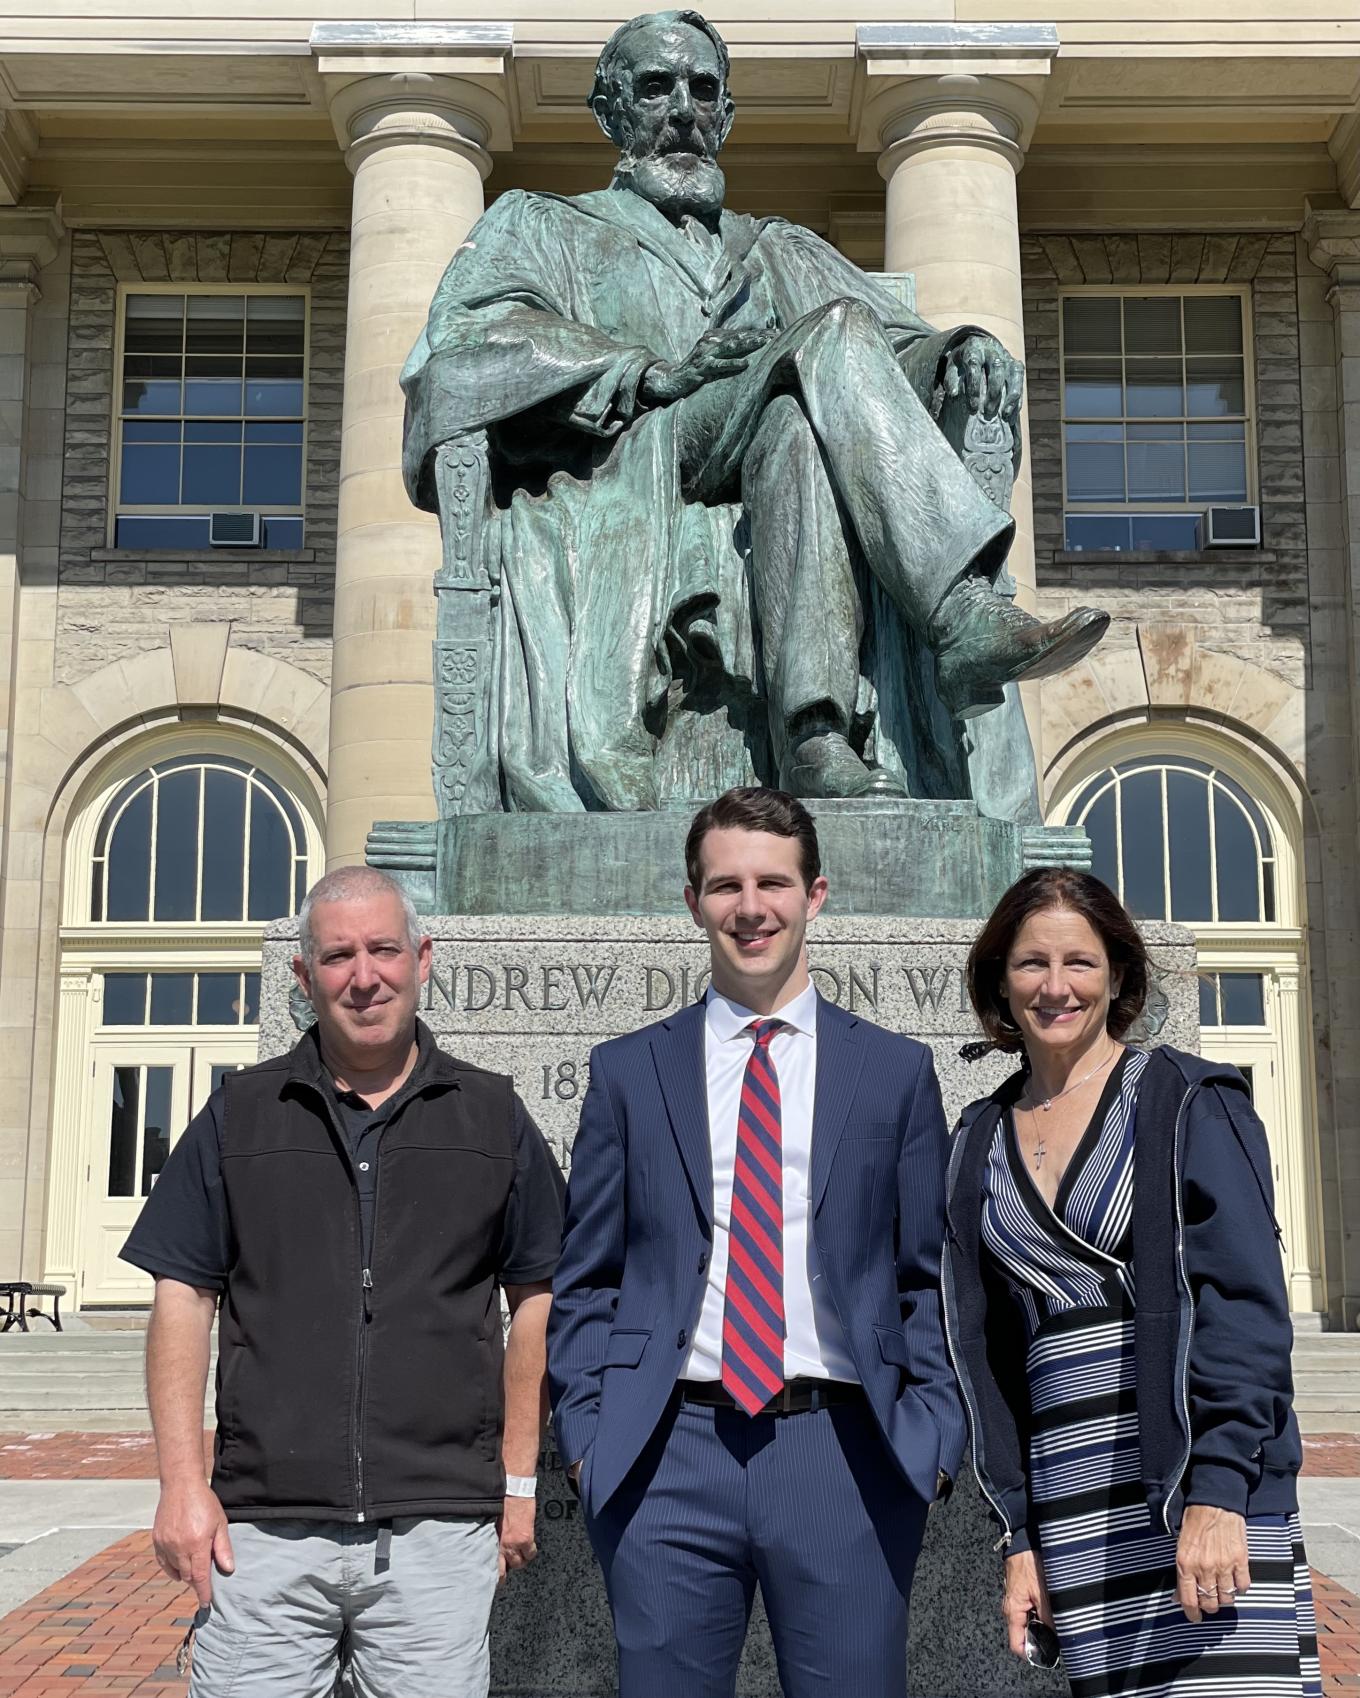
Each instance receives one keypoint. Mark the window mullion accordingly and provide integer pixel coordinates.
(1166, 847)
(245, 849)
(1119, 829)
(151, 858)
(198, 848)
(1213, 844)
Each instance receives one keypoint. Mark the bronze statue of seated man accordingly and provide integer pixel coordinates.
(714, 454)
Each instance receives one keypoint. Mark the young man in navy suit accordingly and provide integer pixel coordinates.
(746, 1346)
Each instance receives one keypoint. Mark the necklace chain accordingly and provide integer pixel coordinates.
(1046, 1103)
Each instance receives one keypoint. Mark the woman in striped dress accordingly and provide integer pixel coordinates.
(1119, 1324)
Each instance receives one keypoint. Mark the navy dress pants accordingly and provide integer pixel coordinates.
(810, 1506)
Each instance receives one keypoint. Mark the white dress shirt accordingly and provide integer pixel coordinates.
(814, 1342)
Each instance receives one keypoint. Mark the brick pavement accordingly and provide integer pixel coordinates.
(84, 1456)
(113, 1625)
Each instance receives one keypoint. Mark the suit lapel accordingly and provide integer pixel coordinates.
(839, 1058)
(678, 1051)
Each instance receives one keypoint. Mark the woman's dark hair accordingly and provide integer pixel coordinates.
(753, 808)
(1038, 892)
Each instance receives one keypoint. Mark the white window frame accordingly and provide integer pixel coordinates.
(117, 507)
(1095, 509)
(1275, 949)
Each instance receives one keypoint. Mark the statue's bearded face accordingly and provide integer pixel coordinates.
(670, 114)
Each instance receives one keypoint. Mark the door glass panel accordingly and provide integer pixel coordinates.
(156, 1143)
(219, 999)
(1208, 999)
(124, 1122)
(1244, 999)
(252, 1009)
(1248, 1072)
(172, 999)
(125, 999)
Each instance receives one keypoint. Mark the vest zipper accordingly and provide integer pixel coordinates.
(361, 1381)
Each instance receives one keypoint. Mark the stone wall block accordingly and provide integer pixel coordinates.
(1168, 662)
(214, 258)
(244, 263)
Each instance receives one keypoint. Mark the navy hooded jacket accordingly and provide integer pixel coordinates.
(1213, 1335)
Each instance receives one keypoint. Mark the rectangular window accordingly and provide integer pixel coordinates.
(1156, 416)
(211, 415)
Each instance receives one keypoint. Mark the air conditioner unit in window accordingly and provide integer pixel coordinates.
(234, 530)
(1232, 527)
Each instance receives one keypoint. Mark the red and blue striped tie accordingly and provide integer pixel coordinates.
(753, 1304)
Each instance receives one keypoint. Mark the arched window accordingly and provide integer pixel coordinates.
(1188, 826)
(193, 839)
(1179, 840)
(184, 845)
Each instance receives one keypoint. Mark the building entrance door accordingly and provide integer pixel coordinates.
(146, 1090)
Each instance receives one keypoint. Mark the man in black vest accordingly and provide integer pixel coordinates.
(373, 1471)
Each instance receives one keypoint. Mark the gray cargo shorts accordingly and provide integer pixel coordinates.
(414, 1619)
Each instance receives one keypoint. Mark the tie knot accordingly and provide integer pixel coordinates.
(763, 1030)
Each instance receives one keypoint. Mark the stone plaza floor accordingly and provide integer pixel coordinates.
(111, 1622)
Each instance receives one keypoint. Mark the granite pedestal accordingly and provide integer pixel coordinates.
(530, 997)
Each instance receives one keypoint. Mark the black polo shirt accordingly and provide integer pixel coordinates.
(184, 1230)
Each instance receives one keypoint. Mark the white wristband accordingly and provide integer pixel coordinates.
(521, 1485)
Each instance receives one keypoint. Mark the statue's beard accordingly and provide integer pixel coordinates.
(676, 183)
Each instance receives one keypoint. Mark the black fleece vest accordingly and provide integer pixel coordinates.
(355, 1394)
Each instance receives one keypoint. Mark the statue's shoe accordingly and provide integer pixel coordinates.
(983, 642)
(824, 765)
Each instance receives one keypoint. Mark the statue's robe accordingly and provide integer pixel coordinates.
(629, 672)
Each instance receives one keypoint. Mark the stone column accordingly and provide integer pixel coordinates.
(950, 108)
(1331, 237)
(416, 109)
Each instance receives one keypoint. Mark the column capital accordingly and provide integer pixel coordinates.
(926, 85)
(418, 84)
(30, 235)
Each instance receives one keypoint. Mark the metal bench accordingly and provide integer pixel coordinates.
(21, 1310)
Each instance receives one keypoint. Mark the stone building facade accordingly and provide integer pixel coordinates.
(190, 729)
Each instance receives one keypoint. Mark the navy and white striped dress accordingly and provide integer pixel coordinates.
(1111, 1573)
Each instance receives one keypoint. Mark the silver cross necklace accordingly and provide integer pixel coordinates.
(1046, 1103)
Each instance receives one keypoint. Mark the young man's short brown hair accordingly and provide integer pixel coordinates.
(753, 808)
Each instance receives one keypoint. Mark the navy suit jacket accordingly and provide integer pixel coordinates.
(630, 1283)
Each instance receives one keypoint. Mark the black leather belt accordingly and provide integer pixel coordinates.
(797, 1397)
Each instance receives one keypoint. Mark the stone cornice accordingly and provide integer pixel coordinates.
(30, 235)
(1332, 236)
(1345, 150)
(18, 143)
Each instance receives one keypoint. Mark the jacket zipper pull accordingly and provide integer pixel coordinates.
(368, 1286)
(1004, 1542)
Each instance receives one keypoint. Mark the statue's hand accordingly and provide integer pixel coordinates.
(722, 353)
(993, 382)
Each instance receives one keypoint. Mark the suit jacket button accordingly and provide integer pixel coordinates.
(703, 1263)
(682, 1340)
